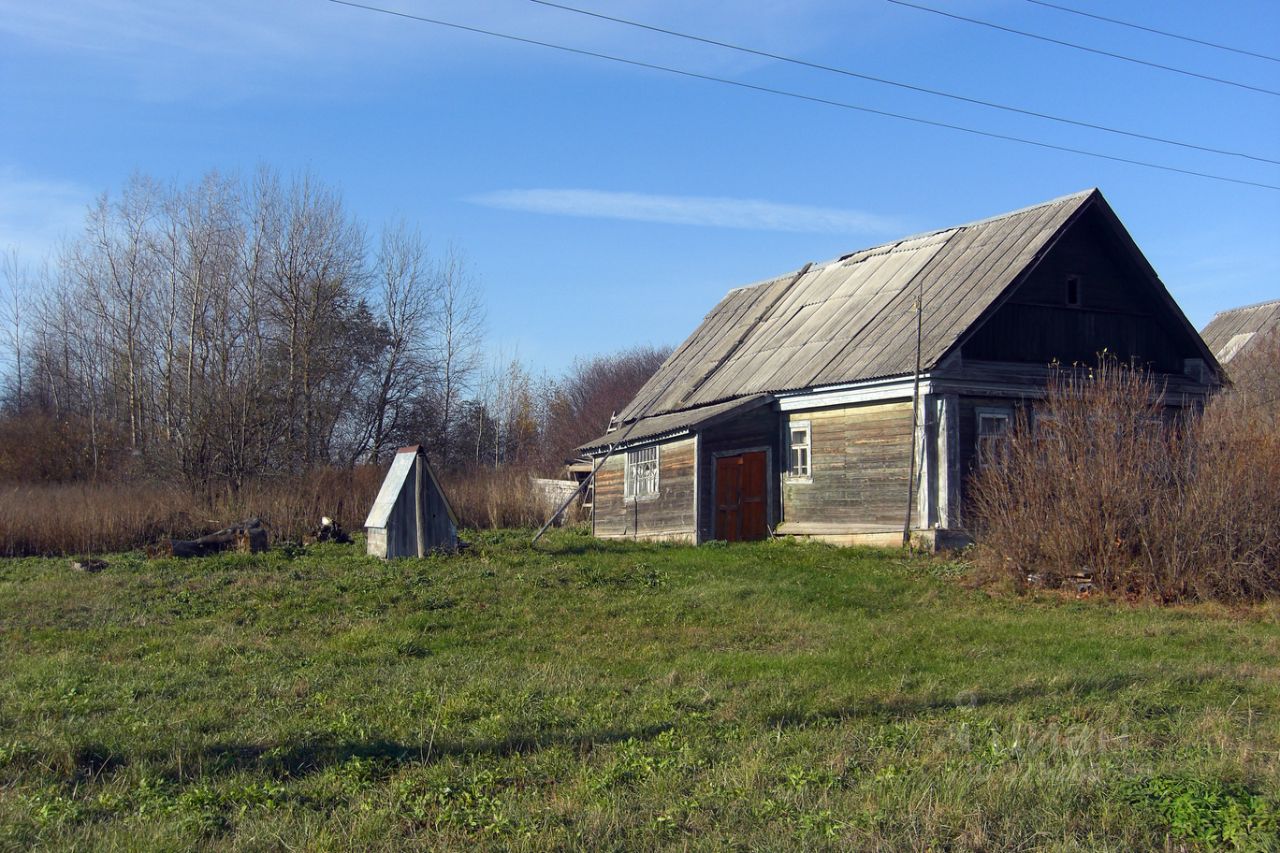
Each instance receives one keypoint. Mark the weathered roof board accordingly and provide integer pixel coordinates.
(392, 484)
(853, 318)
(1229, 332)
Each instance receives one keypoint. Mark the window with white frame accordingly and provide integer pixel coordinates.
(640, 480)
(799, 451)
(993, 426)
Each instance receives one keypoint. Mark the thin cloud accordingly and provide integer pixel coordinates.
(36, 214)
(175, 49)
(712, 211)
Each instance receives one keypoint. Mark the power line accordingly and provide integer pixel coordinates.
(1154, 30)
(1095, 50)
(848, 73)
(798, 95)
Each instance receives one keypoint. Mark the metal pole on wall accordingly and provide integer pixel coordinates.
(915, 420)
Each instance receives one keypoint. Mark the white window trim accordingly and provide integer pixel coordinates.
(981, 412)
(628, 475)
(790, 476)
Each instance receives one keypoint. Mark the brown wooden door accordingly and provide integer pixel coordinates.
(742, 509)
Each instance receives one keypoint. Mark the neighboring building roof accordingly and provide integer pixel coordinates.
(1231, 331)
(675, 423)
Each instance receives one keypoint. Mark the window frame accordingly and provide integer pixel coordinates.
(791, 475)
(632, 462)
(980, 452)
(1074, 281)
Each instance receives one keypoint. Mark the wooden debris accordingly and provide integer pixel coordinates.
(1081, 582)
(247, 537)
(89, 564)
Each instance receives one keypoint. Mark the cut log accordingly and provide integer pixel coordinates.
(248, 537)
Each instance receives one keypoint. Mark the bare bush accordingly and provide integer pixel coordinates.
(1101, 479)
(580, 403)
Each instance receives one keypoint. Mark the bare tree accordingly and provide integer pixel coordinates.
(316, 254)
(228, 329)
(113, 267)
(407, 294)
(15, 305)
(457, 332)
(580, 404)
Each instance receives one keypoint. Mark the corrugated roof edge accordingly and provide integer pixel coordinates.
(740, 401)
(920, 236)
(1266, 303)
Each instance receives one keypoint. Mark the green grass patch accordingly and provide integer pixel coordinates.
(620, 696)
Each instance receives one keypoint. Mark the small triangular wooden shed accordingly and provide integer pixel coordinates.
(411, 516)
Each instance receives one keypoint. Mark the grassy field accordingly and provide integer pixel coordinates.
(579, 694)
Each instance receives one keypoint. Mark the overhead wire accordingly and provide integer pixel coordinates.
(1147, 29)
(1085, 48)
(798, 95)
(896, 83)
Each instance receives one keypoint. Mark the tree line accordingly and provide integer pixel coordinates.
(230, 329)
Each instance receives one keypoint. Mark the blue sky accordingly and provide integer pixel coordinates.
(603, 205)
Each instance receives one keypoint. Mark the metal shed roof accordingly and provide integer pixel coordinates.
(853, 318)
(675, 423)
(394, 482)
(1231, 331)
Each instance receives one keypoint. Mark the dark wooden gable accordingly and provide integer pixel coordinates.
(1090, 292)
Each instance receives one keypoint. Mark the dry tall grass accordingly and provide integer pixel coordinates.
(86, 518)
(491, 498)
(1100, 482)
(78, 518)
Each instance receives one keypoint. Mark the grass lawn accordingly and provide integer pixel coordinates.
(593, 695)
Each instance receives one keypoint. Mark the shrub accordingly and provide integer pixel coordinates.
(37, 447)
(1103, 480)
(1213, 813)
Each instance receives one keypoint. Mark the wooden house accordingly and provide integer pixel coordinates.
(790, 409)
(1235, 332)
(411, 516)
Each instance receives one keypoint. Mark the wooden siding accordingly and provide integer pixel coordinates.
(754, 430)
(668, 516)
(861, 459)
(1119, 311)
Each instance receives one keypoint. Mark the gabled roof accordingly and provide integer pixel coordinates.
(853, 318)
(392, 485)
(1231, 331)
